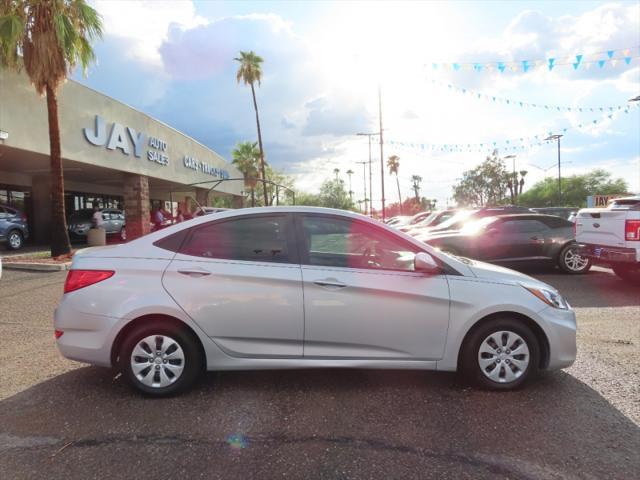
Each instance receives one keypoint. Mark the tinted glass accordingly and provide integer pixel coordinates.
(556, 222)
(339, 242)
(260, 239)
(522, 226)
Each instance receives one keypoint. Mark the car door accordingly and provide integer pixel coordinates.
(514, 239)
(239, 279)
(116, 221)
(362, 297)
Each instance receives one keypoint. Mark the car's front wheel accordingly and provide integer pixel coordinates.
(571, 262)
(160, 359)
(14, 240)
(501, 354)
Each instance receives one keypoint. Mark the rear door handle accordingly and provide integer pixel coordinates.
(330, 284)
(194, 272)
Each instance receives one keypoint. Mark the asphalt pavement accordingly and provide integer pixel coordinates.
(61, 419)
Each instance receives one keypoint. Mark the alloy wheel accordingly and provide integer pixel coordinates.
(573, 261)
(15, 240)
(157, 361)
(503, 356)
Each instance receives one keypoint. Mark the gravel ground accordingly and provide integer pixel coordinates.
(74, 421)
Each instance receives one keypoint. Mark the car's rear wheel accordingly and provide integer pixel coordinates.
(15, 240)
(501, 354)
(630, 273)
(160, 359)
(570, 262)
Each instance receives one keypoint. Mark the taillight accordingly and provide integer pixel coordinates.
(632, 230)
(58, 333)
(77, 279)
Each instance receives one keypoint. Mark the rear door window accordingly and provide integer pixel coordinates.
(257, 239)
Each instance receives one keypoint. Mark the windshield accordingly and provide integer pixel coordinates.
(456, 221)
(477, 226)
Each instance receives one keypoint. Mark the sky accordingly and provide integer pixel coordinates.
(326, 62)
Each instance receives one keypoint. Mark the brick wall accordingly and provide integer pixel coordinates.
(136, 205)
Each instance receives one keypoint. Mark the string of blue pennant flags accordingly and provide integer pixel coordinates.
(513, 144)
(523, 104)
(600, 59)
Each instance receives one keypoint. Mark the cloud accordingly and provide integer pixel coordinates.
(145, 24)
(327, 118)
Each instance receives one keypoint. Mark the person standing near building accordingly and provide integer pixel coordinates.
(98, 221)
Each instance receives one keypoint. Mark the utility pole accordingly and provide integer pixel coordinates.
(558, 137)
(369, 135)
(381, 151)
(364, 180)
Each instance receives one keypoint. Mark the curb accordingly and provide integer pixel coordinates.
(37, 267)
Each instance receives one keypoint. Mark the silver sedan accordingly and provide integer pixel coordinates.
(301, 287)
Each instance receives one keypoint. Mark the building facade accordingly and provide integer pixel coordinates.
(113, 156)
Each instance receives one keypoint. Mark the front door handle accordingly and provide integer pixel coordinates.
(194, 272)
(330, 284)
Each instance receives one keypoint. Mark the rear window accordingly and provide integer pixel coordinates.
(626, 204)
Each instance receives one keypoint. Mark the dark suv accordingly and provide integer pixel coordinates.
(81, 221)
(13, 227)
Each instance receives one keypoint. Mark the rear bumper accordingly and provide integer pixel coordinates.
(606, 253)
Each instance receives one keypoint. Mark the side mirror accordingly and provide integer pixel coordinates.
(425, 263)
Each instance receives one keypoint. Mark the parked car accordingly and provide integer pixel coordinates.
(612, 236)
(563, 212)
(516, 240)
(81, 222)
(398, 220)
(303, 287)
(461, 217)
(436, 218)
(13, 227)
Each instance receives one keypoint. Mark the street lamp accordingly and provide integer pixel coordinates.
(369, 135)
(557, 137)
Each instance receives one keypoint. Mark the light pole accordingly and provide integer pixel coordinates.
(381, 150)
(514, 181)
(369, 135)
(364, 180)
(558, 137)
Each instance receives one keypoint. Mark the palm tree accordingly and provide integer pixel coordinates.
(417, 180)
(336, 171)
(48, 38)
(250, 72)
(349, 173)
(245, 158)
(393, 163)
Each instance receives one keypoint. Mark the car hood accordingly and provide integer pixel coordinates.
(503, 275)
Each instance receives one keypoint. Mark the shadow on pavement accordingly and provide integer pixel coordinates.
(315, 424)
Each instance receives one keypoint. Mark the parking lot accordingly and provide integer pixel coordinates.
(60, 419)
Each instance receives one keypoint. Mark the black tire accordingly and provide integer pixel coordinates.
(469, 359)
(186, 340)
(568, 262)
(628, 272)
(15, 241)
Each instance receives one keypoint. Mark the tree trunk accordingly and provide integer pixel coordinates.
(60, 244)
(253, 197)
(262, 169)
(399, 196)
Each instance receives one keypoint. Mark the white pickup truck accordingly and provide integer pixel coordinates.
(612, 235)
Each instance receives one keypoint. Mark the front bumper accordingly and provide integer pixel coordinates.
(605, 253)
(560, 327)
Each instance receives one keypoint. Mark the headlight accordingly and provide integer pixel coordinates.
(549, 297)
